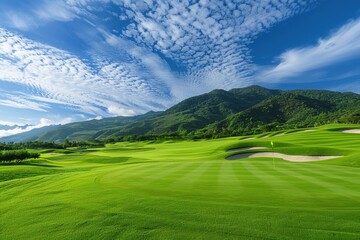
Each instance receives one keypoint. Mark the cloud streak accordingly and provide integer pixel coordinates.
(207, 40)
(43, 123)
(341, 46)
(57, 77)
(160, 52)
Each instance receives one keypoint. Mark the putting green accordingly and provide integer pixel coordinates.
(187, 190)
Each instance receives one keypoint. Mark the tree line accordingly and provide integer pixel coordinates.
(51, 145)
(17, 156)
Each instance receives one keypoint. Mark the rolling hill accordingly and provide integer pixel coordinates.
(247, 110)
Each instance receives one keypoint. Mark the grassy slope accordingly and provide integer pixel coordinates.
(183, 190)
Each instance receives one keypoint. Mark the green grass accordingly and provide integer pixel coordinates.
(187, 190)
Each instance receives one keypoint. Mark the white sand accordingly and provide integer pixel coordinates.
(302, 131)
(352, 131)
(247, 138)
(244, 148)
(309, 130)
(291, 158)
(279, 134)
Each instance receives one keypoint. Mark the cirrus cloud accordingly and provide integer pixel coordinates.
(157, 53)
(341, 46)
(44, 122)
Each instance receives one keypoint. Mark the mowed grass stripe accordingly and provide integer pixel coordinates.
(255, 180)
(227, 179)
(15, 189)
(348, 173)
(208, 180)
(296, 177)
(244, 176)
(188, 179)
(159, 176)
(343, 170)
(307, 182)
(265, 171)
(293, 185)
(340, 181)
(330, 188)
(136, 174)
(167, 179)
(325, 177)
(134, 168)
(348, 178)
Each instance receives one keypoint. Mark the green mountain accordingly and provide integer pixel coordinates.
(197, 112)
(247, 110)
(291, 109)
(282, 111)
(28, 135)
(76, 131)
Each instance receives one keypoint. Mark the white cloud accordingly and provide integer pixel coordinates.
(169, 50)
(20, 21)
(58, 77)
(23, 103)
(34, 14)
(142, 65)
(208, 37)
(95, 118)
(55, 10)
(204, 38)
(114, 110)
(43, 123)
(342, 45)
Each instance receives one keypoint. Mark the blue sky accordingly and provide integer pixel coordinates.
(73, 60)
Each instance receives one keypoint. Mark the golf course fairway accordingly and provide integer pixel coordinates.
(188, 190)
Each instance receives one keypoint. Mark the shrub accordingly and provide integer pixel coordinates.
(16, 155)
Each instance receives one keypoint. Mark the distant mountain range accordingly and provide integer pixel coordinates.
(8, 127)
(247, 110)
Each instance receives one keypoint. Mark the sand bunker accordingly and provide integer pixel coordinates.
(247, 138)
(244, 148)
(279, 134)
(309, 130)
(291, 158)
(352, 131)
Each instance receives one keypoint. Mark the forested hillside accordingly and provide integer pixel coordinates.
(239, 111)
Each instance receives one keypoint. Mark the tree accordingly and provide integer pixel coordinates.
(67, 143)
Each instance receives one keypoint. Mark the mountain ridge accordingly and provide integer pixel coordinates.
(219, 113)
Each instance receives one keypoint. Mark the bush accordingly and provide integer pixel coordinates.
(16, 155)
(350, 118)
(30, 145)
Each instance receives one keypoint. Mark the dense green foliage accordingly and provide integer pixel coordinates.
(85, 143)
(50, 145)
(187, 190)
(220, 113)
(288, 110)
(350, 118)
(29, 145)
(16, 155)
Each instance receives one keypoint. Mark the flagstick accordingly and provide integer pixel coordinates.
(272, 147)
